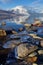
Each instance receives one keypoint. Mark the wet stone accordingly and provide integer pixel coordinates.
(15, 37)
(40, 32)
(3, 23)
(41, 43)
(14, 32)
(21, 29)
(40, 51)
(2, 33)
(11, 44)
(23, 50)
(32, 54)
(31, 59)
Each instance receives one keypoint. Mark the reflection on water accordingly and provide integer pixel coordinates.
(19, 19)
(22, 19)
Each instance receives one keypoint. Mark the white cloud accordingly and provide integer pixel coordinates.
(5, 1)
(36, 2)
(37, 5)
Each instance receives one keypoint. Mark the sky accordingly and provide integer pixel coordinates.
(8, 4)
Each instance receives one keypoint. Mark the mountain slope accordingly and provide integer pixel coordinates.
(32, 14)
(20, 10)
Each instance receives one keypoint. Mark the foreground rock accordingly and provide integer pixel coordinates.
(41, 43)
(2, 33)
(11, 44)
(24, 49)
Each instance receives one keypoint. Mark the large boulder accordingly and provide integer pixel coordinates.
(24, 49)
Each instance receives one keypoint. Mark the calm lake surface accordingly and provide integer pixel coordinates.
(19, 20)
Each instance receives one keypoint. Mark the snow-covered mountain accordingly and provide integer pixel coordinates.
(21, 14)
(28, 11)
(20, 10)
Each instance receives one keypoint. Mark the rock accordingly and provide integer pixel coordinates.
(14, 32)
(23, 33)
(41, 43)
(31, 59)
(15, 37)
(11, 44)
(35, 64)
(33, 54)
(27, 25)
(2, 33)
(40, 52)
(3, 23)
(24, 49)
(35, 36)
(21, 29)
(25, 38)
(40, 32)
(37, 22)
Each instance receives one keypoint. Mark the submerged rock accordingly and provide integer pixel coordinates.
(21, 29)
(25, 38)
(11, 44)
(15, 37)
(3, 23)
(40, 32)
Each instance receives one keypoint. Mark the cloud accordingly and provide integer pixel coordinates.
(36, 2)
(5, 1)
(37, 5)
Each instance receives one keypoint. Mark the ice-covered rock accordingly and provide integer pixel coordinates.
(11, 44)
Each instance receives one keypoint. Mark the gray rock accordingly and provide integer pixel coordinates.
(14, 37)
(11, 44)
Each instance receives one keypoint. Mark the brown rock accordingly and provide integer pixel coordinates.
(14, 32)
(23, 50)
(2, 33)
(41, 43)
(31, 59)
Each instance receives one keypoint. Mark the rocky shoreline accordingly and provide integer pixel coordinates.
(21, 46)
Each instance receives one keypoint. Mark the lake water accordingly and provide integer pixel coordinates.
(19, 19)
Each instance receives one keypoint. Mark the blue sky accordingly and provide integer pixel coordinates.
(36, 4)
